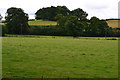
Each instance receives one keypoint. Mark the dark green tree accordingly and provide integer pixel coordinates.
(80, 14)
(17, 21)
(63, 10)
(49, 13)
(73, 26)
(0, 17)
(61, 19)
(98, 27)
(4, 30)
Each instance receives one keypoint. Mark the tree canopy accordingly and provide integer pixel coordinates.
(49, 13)
(98, 27)
(0, 17)
(17, 21)
(79, 13)
(73, 26)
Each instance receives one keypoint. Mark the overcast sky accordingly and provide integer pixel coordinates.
(100, 8)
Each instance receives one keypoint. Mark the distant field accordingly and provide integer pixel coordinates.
(59, 57)
(42, 23)
(113, 23)
(1, 23)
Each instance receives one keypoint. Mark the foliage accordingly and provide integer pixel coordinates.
(47, 30)
(73, 26)
(80, 14)
(17, 21)
(0, 17)
(98, 27)
(49, 13)
(4, 30)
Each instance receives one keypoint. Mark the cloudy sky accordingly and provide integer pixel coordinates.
(100, 8)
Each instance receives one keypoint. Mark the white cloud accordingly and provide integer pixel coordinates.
(100, 8)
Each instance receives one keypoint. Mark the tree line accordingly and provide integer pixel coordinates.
(69, 23)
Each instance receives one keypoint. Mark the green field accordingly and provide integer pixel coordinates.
(39, 23)
(111, 23)
(42, 23)
(59, 57)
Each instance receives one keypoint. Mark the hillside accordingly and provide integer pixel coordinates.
(113, 23)
(41, 22)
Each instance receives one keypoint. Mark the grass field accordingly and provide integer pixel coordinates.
(41, 23)
(1, 23)
(113, 23)
(59, 57)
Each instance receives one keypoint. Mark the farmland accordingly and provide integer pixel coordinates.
(59, 57)
(41, 23)
(111, 23)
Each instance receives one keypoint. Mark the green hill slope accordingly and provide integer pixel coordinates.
(111, 23)
(41, 22)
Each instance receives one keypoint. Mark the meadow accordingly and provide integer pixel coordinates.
(42, 23)
(59, 57)
(111, 23)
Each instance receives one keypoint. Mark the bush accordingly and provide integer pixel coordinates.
(47, 30)
(4, 30)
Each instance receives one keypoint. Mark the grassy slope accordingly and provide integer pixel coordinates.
(59, 57)
(41, 22)
(113, 23)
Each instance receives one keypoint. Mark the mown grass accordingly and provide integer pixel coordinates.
(49, 57)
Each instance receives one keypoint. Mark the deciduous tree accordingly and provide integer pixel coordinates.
(80, 14)
(17, 21)
(73, 26)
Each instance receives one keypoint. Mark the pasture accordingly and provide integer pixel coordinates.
(42, 23)
(113, 23)
(59, 57)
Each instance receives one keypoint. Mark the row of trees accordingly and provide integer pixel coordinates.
(73, 23)
(75, 26)
(50, 13)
